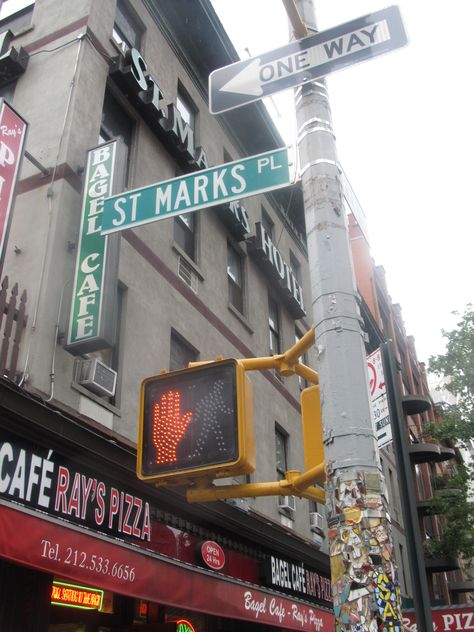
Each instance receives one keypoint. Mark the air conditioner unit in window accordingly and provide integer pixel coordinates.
(187, 274)
(287, 502)
(97, 377)
(315, 520)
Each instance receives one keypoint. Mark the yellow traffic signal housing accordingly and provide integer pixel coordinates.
(196, 423)
(312, 427)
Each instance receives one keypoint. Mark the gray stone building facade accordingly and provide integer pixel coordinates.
(92, 78)
(227, 281)
(188, 288)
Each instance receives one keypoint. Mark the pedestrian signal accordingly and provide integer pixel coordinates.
(196, 422)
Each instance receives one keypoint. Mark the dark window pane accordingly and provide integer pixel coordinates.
(184, 234)
(235, 297)
(296, 267)
(267, 223)
(7, 91)
(280, 453)
(127, 31)
(303, 359)
(186, 109)
(115, 121)
(116, 124)
(273, 326)
(181, 353)
(235, 279)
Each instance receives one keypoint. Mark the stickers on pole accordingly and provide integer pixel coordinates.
(363, 576)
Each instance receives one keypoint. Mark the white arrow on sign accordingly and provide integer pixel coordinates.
(246, 81)
(257, 73)
(305, 60)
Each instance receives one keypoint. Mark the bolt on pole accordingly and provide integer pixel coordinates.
(364, 580)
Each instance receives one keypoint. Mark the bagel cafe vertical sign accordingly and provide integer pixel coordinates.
(92, 318)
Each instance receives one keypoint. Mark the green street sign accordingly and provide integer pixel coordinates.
(200, 189)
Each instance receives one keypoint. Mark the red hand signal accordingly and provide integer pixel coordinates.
(169, 426)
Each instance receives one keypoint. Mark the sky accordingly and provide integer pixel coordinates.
(404, 125)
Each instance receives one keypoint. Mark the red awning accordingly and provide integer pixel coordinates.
(96, 560)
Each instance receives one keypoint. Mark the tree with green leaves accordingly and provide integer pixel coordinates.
(456, 366)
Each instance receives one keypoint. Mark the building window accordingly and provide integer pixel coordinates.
(304, 359)
(273, 326)
(402, 564)
(16, 16)
(7, 91)
(184, 233)
(128, 30)
(420, 491)
(394, 497)
(113, 356)
(181, 352)
(235, 278)
(186, 108)
(116, 124)
(281, 441)
(267, 223)
(295, 267)
(117, 351)
(185, 230)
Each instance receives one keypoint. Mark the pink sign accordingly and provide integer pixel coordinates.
(447, 619)
(12, 138)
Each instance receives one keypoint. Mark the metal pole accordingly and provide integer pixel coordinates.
(363, 574)
(416, 557)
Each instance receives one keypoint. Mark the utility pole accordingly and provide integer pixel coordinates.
(363, 574)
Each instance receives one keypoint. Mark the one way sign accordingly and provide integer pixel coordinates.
(305, 60)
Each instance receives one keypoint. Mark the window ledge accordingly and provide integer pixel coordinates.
(23, 31)
(177, 248)
(117, 47)
(240, 317)
(95, 398)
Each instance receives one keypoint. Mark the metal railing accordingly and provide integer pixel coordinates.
(13, 321)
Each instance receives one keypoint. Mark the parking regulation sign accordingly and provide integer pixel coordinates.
(378, 397)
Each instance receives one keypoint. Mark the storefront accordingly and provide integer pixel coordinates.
(445, 619)
(90, 541)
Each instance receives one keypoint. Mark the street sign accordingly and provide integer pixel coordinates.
(201, 189)
(378, 398)
(305, 60)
